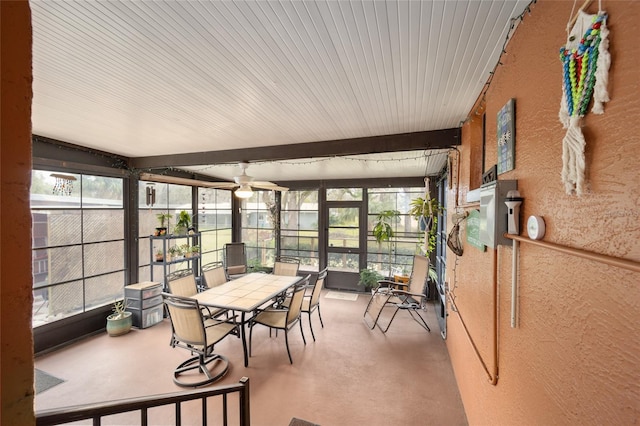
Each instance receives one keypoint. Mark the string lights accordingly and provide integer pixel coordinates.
(512, 25)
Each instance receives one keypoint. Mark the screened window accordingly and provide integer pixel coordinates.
(299, 227)
(77, 243)
(259, 217)
(214, 222)
(169, 201)
(397, 253)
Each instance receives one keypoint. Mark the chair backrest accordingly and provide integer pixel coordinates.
(295, 307)
(419, 275)
(317, 288)
(182, 283)
(286, 266)
(235, 258)
(186, 321)
(214, 274)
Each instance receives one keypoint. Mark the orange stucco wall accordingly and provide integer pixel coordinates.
(16, 344)
(574, 357)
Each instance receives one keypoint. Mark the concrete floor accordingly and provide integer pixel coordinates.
(350, 375)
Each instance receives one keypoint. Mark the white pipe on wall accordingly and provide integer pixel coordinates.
(514, 284)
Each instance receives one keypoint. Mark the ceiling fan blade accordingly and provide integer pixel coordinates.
(270, 186)
(185, 181)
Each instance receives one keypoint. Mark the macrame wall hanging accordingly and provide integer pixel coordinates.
(586, 60)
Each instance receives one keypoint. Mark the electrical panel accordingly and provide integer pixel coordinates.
(493, 212)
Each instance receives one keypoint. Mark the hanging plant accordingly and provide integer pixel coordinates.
(383, 231)
(426, 211)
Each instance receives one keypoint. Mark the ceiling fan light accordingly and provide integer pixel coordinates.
(244, 191)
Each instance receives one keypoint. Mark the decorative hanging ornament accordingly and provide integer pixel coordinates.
(63, 184)
(586, 60)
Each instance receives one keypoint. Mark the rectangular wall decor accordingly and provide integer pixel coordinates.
(506, 137)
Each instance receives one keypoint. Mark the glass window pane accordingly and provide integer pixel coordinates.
(344, 194)
(56, 302)
(102, 192)
(100, 225)
(57, 227)
(57, 265)
(103, 257)
(179, 197)
(104, 290)
(148, 221)
(43, 195)
(341, 237)
(346, 262)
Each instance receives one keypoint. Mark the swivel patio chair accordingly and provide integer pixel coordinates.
(408, 297)
(183, 283)
(191, 331)
(282, 318)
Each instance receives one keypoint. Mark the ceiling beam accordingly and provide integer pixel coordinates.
(434, 139)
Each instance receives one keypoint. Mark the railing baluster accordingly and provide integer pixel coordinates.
(96, 411)
(224, 410)
(204, 411)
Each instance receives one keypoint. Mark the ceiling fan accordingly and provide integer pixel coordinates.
(243, 182)
(246, 182)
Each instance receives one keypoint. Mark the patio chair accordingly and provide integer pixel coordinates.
(282, 318)
(183, 283)
(311, 301)
(286, 266)
(213, 275)
(408, 297)
(235, 259)
(191, 331)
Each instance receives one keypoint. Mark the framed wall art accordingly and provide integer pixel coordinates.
(507, 137)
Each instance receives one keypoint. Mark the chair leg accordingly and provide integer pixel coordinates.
(302, 332)
(424, 323)
(320, 316)
(286, 341)
(310, 326)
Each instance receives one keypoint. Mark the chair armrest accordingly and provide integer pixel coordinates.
(392, 284)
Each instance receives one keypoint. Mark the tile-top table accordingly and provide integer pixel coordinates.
(246, 294)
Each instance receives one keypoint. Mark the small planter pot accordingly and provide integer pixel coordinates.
(160, 232)
(424, 223)
(119, 326)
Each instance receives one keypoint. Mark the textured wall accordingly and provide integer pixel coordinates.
(575, 356)
(16, 366)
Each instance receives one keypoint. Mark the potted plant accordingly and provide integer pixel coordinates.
(383, 231)
(184, 249)
(369, 278)
(183, 223)
(194, 250)
(174, 253)
(425, 211)
(120, 321)
(159, 255)
(162, 230)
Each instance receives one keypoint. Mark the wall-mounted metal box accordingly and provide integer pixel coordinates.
(493, 212)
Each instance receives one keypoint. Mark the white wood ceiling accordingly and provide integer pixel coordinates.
(141, 78)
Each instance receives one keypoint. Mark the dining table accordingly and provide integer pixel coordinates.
(245, 295)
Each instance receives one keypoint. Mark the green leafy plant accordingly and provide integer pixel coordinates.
(383, 230)
(369, 278)
(162, 217)
(183, 223)
(426, 210)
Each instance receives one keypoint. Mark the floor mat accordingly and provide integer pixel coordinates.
(45, 381)
(341, 296)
